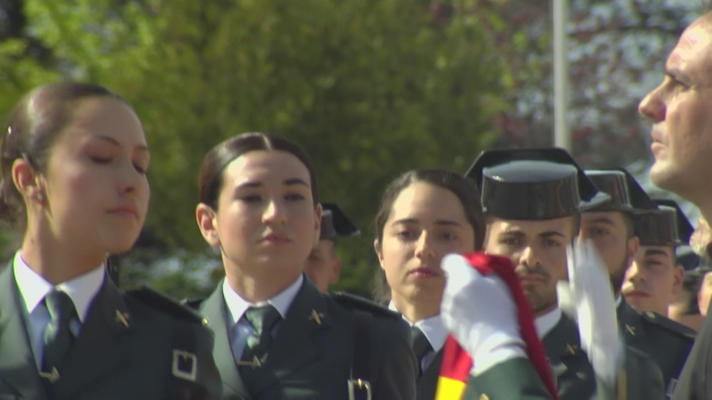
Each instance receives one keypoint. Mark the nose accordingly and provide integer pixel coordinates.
(528, 258)
(652, 106)
(274, 213)
(424, 249)
(130, 181)
(635, 273)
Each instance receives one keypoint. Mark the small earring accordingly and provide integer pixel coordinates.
(40, 197)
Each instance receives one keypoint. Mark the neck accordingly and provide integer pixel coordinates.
(544, 311)
(259, 285)
(57, 261)
(415, 311)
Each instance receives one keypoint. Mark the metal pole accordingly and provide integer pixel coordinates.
(561, 130)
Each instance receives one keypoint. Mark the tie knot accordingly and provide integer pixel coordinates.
(263, 318)
(421, 344)
(60, 306)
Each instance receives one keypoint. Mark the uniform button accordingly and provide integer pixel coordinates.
(205, 321)
(484, 397)
(650, 314)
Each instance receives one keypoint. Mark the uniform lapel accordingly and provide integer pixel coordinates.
(296, 344)
(629, 321)
(17, 363)
(100, 348)
(214, 310)
(428, 383)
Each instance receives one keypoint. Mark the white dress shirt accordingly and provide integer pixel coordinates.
(545, 323)
(33, 289)
(239, 330)
(434, 331)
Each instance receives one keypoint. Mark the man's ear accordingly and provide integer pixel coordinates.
(633, 247)
(335, 271)
(205, 216)
(27, 181)
(677, 279)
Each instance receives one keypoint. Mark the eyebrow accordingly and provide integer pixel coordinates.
(549, 234)
(115, 142)
(603, 220)
(443, 222)
(678, 75)
(653, 252)
(286, 182)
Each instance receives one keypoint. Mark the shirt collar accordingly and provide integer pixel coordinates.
(33, 288)
(237, 305)
(433, 328)
(547, 322)
(618, 301)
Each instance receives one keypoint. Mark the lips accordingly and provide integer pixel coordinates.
(424, 272)
(637, 293)
(126, 210)
(275, 238)
(530, 278)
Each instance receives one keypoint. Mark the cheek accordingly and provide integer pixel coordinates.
(236, 224)
(395, 257)
(77, 188)
(556, 264)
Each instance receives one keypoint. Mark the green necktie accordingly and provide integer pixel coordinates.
(263, 319)
(57, 336)
(421, 346)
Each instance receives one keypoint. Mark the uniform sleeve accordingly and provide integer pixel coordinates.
(640, 377)
(515, 378)
(395, 366)
(195, 375)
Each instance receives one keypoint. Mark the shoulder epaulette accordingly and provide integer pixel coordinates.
(668, 324)
(193, 304)
(161, 302)
(360, 303)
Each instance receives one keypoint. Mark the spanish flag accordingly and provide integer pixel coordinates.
(456, 364)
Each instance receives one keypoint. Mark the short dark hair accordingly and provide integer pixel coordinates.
(464, 188)
(218, 158)
(32, 129)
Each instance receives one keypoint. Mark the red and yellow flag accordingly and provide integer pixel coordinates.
(457, 363)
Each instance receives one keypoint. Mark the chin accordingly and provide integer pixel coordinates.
(119, 244)
(662, 175)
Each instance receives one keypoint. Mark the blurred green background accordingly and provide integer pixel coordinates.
(370, 88)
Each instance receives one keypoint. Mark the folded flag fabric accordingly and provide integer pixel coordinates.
(457, 363)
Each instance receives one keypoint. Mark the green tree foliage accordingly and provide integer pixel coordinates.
(370, 88)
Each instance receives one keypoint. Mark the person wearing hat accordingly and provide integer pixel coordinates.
(324, 264)
(532, 200)
(655, 277)
(611, 227)
(684, 308)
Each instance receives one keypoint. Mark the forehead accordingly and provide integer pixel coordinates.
(660, 251)
(104, 116)
(611, 218)
(424, 200)
(265, 166)
(693, 52)
(532, 228)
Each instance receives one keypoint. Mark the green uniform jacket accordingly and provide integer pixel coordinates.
(310, 358)
(514, 379)
(575, 378)
(125, 350)
(696, 379)
(664, 340)
(427, 384)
